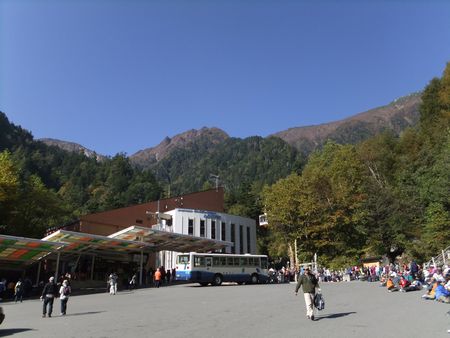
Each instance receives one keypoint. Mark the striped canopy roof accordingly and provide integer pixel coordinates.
(82, 242)
(25, 250)
(164, 240)
(20, 251)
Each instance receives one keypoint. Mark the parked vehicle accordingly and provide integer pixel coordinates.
(206, 268)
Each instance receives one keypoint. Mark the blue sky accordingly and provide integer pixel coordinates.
(119, 76)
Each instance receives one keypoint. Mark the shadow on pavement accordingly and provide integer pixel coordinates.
(83, 313)
(335, 315)
(9, 332)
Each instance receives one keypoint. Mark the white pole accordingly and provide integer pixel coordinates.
(443, 257)
(295, 260)
(315, 261)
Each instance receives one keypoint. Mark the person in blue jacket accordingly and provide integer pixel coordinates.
(442, 294)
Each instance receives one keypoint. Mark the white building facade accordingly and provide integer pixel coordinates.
(241, 231)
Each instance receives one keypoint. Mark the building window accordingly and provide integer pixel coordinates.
(233, 237)
(248, 240)
(241, 239)
(202, 228)
(223, 238)
(213, 229)
(191, 227)
(223, 229)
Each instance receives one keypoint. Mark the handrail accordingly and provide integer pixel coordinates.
(441, 259)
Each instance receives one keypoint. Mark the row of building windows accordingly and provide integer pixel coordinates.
(223, 233)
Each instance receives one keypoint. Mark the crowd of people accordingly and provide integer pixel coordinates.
(158, 277)
(435, 280)
(16, 290)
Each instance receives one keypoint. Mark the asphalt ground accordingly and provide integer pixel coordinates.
(354, 309)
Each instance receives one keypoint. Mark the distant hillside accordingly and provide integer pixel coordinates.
(72, 147)
(149, 156)
(186, 161)
(396, 116)
(255, 160)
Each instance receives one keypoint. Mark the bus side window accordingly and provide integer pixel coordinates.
(244, 261)
(223, 261)
(236, 261)
(257, 262)
(230, 261)
(216, 261)
(263, 262)
(199, 261)
(250, 261)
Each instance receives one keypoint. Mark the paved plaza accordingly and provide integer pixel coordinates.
(355, 309)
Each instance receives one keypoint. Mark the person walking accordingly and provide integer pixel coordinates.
(309, 283)
(133, 282)
(113, 283)
(48, 295)
(64, 293)
(157, 278)
(18, 291)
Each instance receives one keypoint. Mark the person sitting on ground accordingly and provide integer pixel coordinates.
(431, 294)
(390, 285)
(442, 294)
(383, 280)
(404, 284)
(438, 275)
(416, 285)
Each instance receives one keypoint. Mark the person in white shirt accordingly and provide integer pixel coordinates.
(64, 292)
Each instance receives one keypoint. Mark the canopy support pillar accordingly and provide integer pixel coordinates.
(141, 267)
(38, 273)
(57, 266)
(92, 267)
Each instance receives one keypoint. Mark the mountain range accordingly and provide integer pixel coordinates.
(396, 116)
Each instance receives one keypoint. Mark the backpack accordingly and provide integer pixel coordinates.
(66, 291)
(319, 302)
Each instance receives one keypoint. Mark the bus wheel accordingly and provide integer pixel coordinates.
(254, 279)
(203, 284)
(218, 279)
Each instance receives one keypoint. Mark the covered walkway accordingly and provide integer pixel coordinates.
(19, 253)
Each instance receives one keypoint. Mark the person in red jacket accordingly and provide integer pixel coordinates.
(404, 284)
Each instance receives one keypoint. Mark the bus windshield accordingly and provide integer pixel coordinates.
(183, 259)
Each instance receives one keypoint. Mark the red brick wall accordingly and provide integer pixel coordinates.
(108, 222)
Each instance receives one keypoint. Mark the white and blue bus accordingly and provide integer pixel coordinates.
(206, 268)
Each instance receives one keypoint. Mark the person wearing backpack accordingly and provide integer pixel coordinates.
(309, 283)
(64, 292)
(48, 294)
(18, 291)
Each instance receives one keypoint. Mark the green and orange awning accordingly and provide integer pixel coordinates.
(82, 242)
(172, 241)
(25, 250)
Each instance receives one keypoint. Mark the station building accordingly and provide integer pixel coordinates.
(198, 214)
(136, 238)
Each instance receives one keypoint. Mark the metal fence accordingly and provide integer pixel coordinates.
(442, 259)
